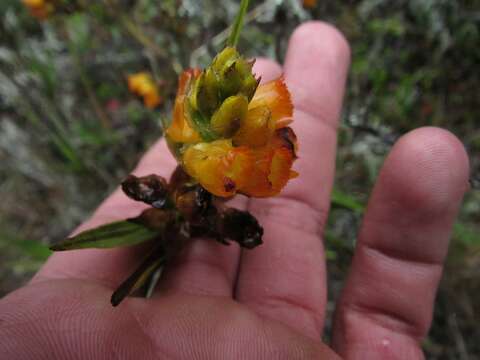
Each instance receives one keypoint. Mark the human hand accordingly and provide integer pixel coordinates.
(220, 302)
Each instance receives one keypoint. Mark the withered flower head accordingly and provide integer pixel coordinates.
(40, 9)
(231, 133)
(143, 85)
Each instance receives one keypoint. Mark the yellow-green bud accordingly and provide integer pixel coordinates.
(237, 78)
(204, 96)
(218, 99)
(228, 118)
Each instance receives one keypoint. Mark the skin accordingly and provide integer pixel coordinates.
(219, 302)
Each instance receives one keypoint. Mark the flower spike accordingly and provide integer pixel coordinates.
(230, 135)
(228, 130)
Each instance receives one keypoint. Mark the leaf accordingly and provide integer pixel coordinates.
(153, 262)
(120, 233)
(78, 28)
(34, 249)
(466, 235)
(344, 200)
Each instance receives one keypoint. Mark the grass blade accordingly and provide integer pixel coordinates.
(347, 201)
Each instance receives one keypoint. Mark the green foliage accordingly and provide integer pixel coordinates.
(346, 201)
(78, 30)
(30, 248)
(467, 235)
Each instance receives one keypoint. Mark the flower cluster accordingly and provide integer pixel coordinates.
(229, 132)
(143, 85)
(40, 9)
(230, 135)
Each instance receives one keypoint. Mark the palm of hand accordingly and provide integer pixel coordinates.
(69, 319)
(219, 302)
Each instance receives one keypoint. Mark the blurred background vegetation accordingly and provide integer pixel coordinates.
(70, 130)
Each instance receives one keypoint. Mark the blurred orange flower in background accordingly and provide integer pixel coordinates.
(143, 85)
(309, 3)
(40, 8)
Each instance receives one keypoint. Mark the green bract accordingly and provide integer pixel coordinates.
(218, 99)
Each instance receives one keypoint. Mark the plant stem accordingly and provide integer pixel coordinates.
(237, 27)
(138, 35)
(221, 37)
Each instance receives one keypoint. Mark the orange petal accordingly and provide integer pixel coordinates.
(273, 165)
(135, 81)
(179, 130)
(152, 100)
(257, 128)
(271, 173)
(218, 166)
(275, 96)
(33, 3)
(184, 80)
(145, 88)
(282, 161)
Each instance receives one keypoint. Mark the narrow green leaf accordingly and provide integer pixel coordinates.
(120, 233)
(152, 263)
(237, 27)
(78, 29)
(344, 200)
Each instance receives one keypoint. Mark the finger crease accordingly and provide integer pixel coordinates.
(314, 321)
(161, 351)
(386, 319)
(211, 271)
(410, 258)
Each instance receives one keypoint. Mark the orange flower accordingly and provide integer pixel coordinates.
(273, 163)
(309, 3)
(40, 9)
(255, 161)
(220, 167)
(143, 85)
(270, 109)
